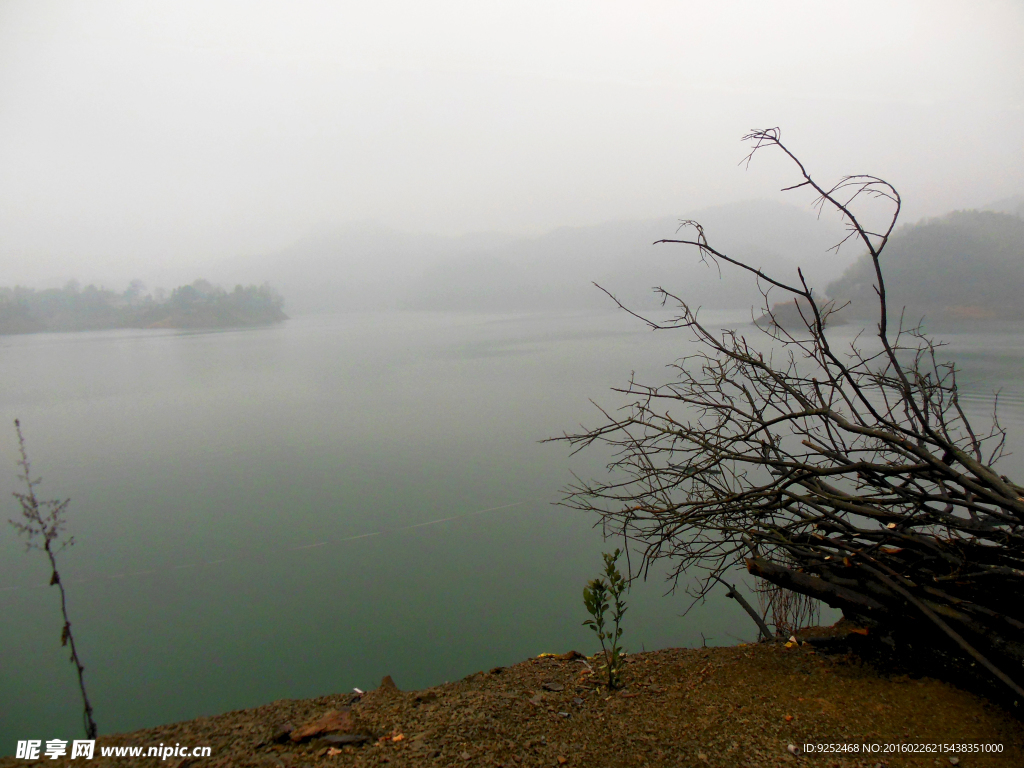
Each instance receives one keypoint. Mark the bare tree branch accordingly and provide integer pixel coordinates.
(42, 523)
(851, 476)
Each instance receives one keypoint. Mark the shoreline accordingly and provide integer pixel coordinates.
(727, 706)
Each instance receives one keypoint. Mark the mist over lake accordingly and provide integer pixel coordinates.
(292, 294)
(219, 482)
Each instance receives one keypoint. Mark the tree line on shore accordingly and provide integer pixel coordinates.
(197, 305)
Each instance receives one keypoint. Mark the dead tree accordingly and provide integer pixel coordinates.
(851, 475)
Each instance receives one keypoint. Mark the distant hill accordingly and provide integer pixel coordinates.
(967, 265)
(365, 266)
(1012, 205)
(963, 265)
(558, 269)
(376, 267)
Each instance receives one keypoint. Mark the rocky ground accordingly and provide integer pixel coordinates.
(749, 705)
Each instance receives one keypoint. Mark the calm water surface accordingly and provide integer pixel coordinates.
(256, 512)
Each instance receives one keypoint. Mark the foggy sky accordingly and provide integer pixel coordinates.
(142, 139)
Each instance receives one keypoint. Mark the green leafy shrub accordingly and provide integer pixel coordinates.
(596, 597)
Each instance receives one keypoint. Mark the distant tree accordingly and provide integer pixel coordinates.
(849, 475)
(134, 293)
(198, 305)
(206, 289)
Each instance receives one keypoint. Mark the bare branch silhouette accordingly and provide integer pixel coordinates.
(43, 523)
(849, 474)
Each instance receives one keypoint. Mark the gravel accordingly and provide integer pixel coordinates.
(748, 705)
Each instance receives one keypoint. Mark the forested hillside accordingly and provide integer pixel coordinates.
(198, 305)
(967, 265)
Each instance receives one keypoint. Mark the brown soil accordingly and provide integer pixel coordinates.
(738, 706)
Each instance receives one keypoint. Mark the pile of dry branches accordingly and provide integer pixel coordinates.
(849, 475)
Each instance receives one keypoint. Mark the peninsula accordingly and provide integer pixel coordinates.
(197, 305)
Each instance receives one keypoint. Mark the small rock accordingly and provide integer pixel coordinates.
(281, 733)
(387, 684)
(550, 686)
(466, 756)
(335, 739)
(562, 760)
(571, 656)
(578, 701)
(954, 761)
(334, 721)
(497, 670)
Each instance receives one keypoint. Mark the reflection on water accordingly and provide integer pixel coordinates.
(297, 510)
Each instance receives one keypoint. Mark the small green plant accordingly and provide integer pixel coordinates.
(596, 597)
(42, 523)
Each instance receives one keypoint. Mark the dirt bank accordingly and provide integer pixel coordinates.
(738, 706)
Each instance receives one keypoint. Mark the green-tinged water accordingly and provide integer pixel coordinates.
(223, 486)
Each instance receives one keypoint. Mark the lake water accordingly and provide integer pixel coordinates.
(298, 510)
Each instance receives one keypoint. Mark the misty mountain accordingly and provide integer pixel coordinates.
(376, 267)
(558, 269)
(963, 266)
(1012, 205)
(364, 266)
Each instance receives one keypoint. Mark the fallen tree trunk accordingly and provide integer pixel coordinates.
(921, 623)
